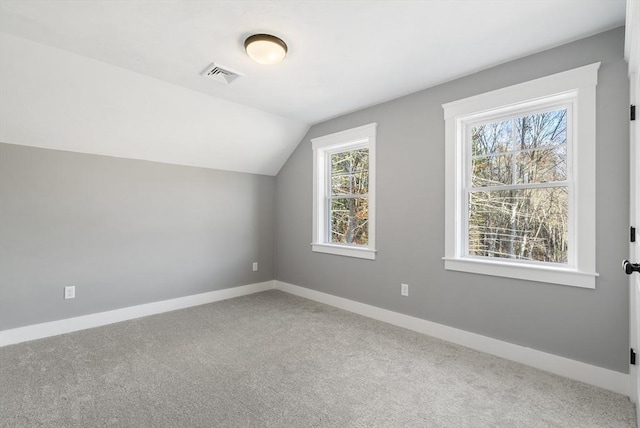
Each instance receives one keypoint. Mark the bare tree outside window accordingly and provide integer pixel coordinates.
(518, 194)
(348, 197)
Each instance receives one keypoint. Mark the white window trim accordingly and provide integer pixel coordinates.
(362, 136)
(580, 82)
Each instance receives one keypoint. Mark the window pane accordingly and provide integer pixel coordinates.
(349, 219)
(350, 161)
(350, 172)
(542, 166)
(526, 224)
(491, 138)
(350, 184)
(540, 130)
(492, 170)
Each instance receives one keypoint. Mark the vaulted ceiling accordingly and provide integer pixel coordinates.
(122, 78)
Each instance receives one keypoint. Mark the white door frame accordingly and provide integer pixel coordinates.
(632, 55)
(634, 247)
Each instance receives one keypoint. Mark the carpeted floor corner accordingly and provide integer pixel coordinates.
(275, 360)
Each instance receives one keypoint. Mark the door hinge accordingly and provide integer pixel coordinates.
(632, 234)
(632, 357)
(632, 112)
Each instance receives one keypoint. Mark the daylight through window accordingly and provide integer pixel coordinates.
(518, 192)
(344, 193)
(520, 180)
(348, 200)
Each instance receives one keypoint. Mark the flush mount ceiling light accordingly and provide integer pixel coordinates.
(265, 48)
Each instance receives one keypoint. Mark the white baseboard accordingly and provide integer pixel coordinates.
(53, 328)
(572, 369)
(593, 375)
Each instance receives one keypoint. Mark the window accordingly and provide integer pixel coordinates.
(344, 193)
(517, 186)
(520, 180)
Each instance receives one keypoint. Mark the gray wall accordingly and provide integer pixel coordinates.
(582, 324)
(124, 232)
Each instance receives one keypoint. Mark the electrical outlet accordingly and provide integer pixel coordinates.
(404, 289)
(255, 266)
(70, 292)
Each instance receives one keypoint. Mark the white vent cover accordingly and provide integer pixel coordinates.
(220, 74)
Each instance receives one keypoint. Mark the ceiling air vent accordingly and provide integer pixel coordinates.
(220, 74)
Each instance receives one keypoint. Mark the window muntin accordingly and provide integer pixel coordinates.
(517, 187)
(344, 193)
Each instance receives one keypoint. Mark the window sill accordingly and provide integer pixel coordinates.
(548, 274)
(343, 250)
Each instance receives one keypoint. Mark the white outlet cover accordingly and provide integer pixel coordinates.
(70, 292)
(255, 266)
(404, 289)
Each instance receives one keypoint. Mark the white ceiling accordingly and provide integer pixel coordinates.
(343, 56)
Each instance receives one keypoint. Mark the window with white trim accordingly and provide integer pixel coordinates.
(344, 192)
(520, 180)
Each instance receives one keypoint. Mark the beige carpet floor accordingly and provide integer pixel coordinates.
(276, 360)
